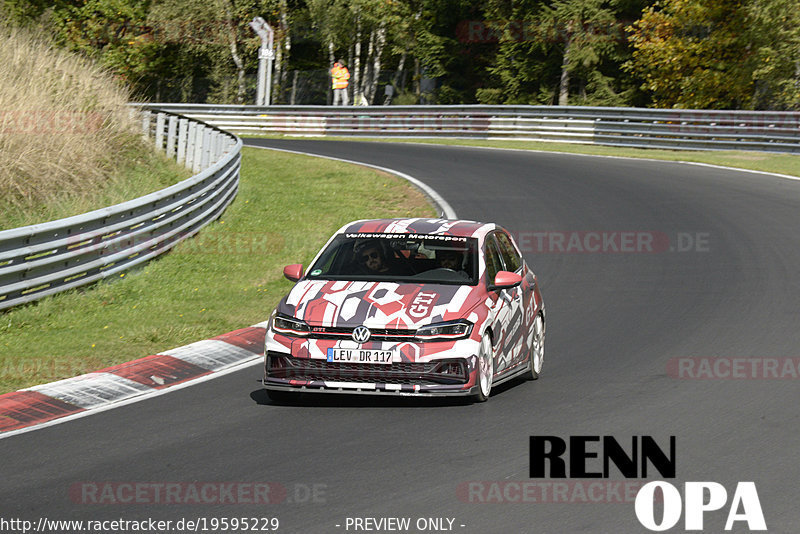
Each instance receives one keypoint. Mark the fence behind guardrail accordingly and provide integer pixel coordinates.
(629, 127)
(48, 258)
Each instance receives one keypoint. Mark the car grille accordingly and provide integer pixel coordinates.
(376, 334)
(422, 373)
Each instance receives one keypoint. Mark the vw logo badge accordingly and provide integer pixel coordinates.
(361, 334)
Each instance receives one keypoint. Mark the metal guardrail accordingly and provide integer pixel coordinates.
(628, 127)
(48, 258)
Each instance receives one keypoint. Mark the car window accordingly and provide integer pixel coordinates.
(508, 252)
(415, 258)
(493, 263)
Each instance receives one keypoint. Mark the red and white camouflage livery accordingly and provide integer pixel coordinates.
(408, 307)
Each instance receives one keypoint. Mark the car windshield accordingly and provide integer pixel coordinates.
(412, 258)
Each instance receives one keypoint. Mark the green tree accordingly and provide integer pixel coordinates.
(112, 32)
(775, 33)
(29, 12)
(562, 51)
(357, 31)
(440, 53)
(582, 26)
(214, 32)
(694, 54)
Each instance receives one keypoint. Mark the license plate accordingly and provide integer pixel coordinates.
(361, 356)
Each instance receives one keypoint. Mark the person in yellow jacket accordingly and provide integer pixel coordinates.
(339, 77)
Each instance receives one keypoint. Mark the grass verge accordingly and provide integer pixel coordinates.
(228, 277)
(141, 171)
(756, 161)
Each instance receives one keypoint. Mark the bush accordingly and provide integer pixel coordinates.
(447, 95)
(491, 97)
(404, 99)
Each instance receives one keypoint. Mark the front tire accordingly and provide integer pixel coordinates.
(485, 370)
(537, 349)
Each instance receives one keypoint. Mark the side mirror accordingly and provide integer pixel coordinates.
(293, 272)
(506, 280)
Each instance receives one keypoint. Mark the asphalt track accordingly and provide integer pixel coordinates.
(615, 322)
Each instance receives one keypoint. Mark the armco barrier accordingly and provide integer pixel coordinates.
(47, 258)
(630, 127)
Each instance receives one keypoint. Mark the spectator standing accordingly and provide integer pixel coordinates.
(339, 78)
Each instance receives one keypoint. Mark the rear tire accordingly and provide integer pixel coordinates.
(485, 370)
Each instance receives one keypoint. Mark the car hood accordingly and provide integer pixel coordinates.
(379, 304)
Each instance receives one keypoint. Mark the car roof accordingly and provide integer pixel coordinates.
(453, 227)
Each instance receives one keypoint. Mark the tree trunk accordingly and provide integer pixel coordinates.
(380, 42)
(417, 79)
(282, 55)
(293, 98)
(797, 72)
(398, 75)
(357, 65)
(331, 60)
(563, 87)
(275, 95)
(231, 34)
(366, 78)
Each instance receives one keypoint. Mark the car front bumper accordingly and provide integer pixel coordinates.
(445, 368)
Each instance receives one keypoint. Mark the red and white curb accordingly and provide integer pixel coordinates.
(38, 406)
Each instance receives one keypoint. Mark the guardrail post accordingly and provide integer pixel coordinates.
(220, 145)
(173, 125)
(190, 141)
(160, 120)
(146, 125)
(206, 158)
(183, 136)
(215, 152)
(197, 158)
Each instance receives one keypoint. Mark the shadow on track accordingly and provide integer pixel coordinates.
(344, 400)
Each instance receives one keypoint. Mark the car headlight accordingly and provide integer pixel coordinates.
(445, 331)
(283, 324)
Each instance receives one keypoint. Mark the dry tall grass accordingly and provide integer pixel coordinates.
(63, 122)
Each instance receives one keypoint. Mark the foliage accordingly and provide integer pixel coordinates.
(567, 50)
(775, 32)
(723, 54)
(668, 53)
(692, 54)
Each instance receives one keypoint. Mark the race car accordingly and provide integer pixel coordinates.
(421, 307)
